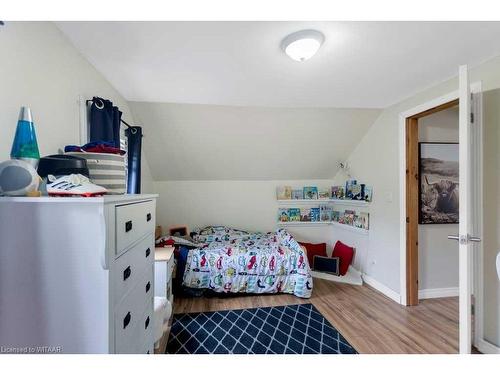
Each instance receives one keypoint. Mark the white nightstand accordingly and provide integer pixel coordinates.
(164, 273)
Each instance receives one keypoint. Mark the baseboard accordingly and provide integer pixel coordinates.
(382, 288)
(487, 348)
(437, 293)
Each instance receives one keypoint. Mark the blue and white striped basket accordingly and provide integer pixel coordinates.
(106, 170)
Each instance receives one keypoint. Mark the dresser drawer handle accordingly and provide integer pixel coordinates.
(126, 320)
(128, 226)
(148, 251)
(126, 273)
(148, 217)
(148, 286)
(146, 323)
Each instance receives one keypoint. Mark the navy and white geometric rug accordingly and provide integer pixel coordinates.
(294, 329)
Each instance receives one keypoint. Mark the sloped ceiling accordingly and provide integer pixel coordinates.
(360, 65)
(207, 142)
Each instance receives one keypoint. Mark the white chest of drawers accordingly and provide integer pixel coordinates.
(77, 274)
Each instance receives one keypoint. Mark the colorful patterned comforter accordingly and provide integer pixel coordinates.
(242, 262)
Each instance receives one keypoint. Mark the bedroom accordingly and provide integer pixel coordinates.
(257, 199)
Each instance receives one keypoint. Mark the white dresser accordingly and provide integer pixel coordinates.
(77, 274)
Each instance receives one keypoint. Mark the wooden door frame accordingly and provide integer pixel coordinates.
(412, 180)
(421, 110)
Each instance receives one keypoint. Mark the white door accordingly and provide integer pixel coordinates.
(467, 200)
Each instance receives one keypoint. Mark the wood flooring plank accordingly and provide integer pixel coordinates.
(370, 321)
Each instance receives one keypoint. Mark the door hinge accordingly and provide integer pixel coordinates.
(472, 117)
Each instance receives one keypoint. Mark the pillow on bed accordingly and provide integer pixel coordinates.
(219, 233)
(345, 254)
(313, 249)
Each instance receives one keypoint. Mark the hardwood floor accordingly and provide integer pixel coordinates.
(370, 321)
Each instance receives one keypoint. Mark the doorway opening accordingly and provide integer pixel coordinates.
(414, 209)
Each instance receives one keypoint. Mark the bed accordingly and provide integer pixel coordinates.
(235, 261)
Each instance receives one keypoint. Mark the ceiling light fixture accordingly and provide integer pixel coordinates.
(302, 45)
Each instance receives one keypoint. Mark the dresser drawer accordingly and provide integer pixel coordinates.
(134, 318)
(133, 221)
(131, 267)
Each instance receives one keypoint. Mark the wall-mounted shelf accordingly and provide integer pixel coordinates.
(303, 223)
(350, 228)
(316, 202)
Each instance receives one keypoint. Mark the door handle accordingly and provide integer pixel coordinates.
(463, 239)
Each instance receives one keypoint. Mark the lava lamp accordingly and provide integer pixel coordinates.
(25, 146)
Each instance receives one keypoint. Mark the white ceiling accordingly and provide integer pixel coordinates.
(361, 64)
(206, 142)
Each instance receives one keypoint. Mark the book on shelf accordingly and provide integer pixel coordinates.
(310, 192)
(338, 192)
(284, 192)
(362, 220)
(324, 194)
(325, 213)
(297, 194)
(314, 214)
(283, 215)
(347, 218)
(368, 193)
(305, 214)
(294, 214)
(336, 216)
(354, 192)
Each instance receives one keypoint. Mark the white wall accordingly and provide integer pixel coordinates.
(42, 70)
(249, 205)
(376, 160)
(209, 142)
(437, 255)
